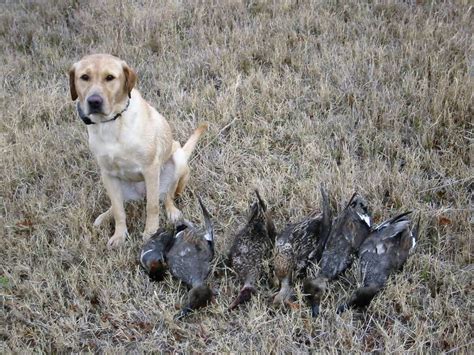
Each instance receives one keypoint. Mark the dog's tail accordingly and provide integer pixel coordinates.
(189, 146)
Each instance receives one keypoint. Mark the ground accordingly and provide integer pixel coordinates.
(374, 97)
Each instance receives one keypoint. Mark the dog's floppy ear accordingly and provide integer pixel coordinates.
(130, 79)
(72, 84)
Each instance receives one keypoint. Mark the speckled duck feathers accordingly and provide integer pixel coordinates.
(298, 245)
(252, 244)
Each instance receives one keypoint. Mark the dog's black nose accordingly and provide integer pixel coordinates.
(95, 103)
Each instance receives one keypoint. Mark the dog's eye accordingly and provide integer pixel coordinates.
(109, 77)
(85, 77)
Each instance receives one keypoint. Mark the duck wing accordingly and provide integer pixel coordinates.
(387, 249)
(189, 258)
(252, 243)
(391, 223)
(358, 204)
(209, 228)
(350, 229)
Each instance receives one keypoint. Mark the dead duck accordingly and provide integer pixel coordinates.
(189, 260)
(153, 253)
(251, 245)
(350, 229)
(299, 244)
(384, 252)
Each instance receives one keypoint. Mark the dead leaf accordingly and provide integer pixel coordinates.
(443, 221)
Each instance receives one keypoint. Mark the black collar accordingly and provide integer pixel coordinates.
(88, 121)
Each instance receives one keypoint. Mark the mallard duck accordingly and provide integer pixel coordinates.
(189, 260)
(299, 244)
(153, 253)
(349, 230)
(252, 244)
(381, 254)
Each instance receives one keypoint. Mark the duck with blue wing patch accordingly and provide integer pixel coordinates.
(384, 252)
(298, 245)
(252, 244)
(189, 260)
(350, 229)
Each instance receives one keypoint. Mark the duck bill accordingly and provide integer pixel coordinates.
(183, 313)
(360, 298)
(363, 296)
(284, 296)
(342, 308)
(244, 296)
(314, 290)
(315, 310)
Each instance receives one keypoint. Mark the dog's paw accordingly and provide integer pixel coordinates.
(102, 218)
(150, 229)
(174, 215)
(116, 240)
(147, 235)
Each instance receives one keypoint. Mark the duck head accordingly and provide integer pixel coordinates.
(360, 298)
(284, 265)
(153, 254)
(314, 290)
(244, 296)
(285, 294)
(198, 297)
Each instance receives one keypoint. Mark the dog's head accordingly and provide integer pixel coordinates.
(102, 83)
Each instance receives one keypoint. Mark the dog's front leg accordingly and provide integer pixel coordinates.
(114, 190)
(152, 184)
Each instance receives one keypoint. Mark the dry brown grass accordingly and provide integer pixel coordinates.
(369, 97)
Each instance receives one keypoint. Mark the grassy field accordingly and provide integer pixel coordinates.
(371, 97)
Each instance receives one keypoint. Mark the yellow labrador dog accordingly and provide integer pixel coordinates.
(131, 141)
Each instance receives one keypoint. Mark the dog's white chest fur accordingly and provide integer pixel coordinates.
(121, 168)
(120, 165)
(119, 156)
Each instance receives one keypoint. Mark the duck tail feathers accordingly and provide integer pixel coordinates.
(209, 236)
(327, 215)
(261, 202)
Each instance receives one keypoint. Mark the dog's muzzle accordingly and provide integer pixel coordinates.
(88, 121)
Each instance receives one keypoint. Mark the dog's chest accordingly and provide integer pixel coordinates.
(119, 159)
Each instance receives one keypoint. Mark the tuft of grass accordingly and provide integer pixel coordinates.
(373, 97)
